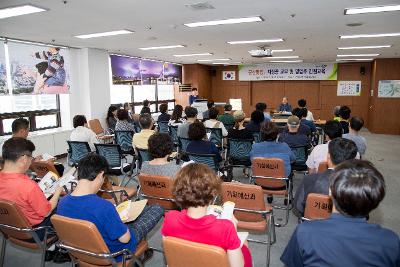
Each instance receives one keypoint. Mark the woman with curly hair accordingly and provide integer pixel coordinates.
(195, 188)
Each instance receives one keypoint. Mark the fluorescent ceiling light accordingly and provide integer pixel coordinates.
(161, 47)
(194, 55)
(226, 63)
(364, 47)
(286, 61)
(216, 59)
(359, 55)
(19, 11)
(354, 59)
(102, 34)
(224, 21)
(371, 9)
(281, 50)
(283, 57)
(257, 41)
(369, 35)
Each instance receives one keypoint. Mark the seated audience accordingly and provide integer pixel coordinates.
(82, 133)
(356, 124)
(145, 108)
(332, 130)
(302, 114)
(344, 114)
(336, 113)
(17, 187)
(195, 188)
(84, 204)
(239, 131)
(210, 104)
(303, 104)
(140, 140)
(133, 118)
(176, 117)
(293, 137)
(269, 148)
(257, 118)
(160, 147)
(303, 128)
(227, 117)
(263, 108)
(285, 106)
(197, 134)
(339, 150)
(213, 122)
(346, 238)
(123, 121)
(111, 118)
(191, 115)
(164, 116)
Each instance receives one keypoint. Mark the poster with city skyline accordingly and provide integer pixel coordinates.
(38, 69)
(125, 68)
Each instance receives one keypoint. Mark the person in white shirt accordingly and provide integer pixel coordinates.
(213, 122)
(319, 154)
(82, 133)
(303, 103)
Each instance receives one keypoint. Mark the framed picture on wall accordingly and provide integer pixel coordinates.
(389, 88)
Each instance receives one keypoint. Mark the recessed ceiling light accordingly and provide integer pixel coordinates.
(216, 59)
(19, 11)
(161, 47)
(194, 55)
(359, 55)
(286, 61)
(283, 57)
(364, 47)
(371, 9)
(369, 35)
(103, 34)
(257, 41)
(354, 59)
(224, 21)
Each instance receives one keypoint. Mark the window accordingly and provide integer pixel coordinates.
(165, 92)
(143, 92)
(120, 93)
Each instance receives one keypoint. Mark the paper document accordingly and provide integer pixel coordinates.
(50, 181)
(129, 210)
(222, 212)
(243, 237)
(46, 157)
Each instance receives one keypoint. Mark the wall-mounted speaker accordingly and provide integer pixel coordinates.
(213, 72)
(362, 70)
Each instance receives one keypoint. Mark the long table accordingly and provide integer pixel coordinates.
(284, 121)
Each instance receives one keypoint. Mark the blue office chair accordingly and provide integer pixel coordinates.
(173, 132)
(162, 127)
(229, 126)
(257, 137)
(142, 155)
(238, 152)
(77, 151)
(301, 153)
(216, 136)
(207, 159)
(124, 140)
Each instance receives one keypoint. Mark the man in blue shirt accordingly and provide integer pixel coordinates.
(84, 204)
(193, 97)
(346, 239)
(285, 106)
(293, 137)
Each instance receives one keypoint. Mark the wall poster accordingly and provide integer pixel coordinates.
(349, 88)
(38, 69)
(124, 68)
(389, 88)
(3, 71)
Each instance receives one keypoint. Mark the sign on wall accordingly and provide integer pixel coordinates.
(38, 69)
(349, 88)
(389, 88)
(301, 71)
(228, 75)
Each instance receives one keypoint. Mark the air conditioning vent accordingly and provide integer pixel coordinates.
(200, 6)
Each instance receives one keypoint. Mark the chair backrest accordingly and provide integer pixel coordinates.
(183, 144)
(245, 196)
(208, 159)
(301, 153)
(318, 206)
(229, 126)
(323, 166)
(124, 139)
(162, 126)
(269, 168)
(11, 215)
(69, 231)
(143, 155)
(157, 189)
(41, 168)
(239, 148)
(112, 153)
(257, 137)
(173, 132)
(183, 253)
(78, 150)
(215, 136)
(137, 128)
(96, 127)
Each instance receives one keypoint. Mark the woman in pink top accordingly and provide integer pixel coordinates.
(195, 187)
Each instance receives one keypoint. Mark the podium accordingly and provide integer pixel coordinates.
(201, 106)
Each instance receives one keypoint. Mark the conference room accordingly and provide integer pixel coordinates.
(193, 133)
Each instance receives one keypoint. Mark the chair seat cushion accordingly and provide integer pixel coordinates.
(259, 226)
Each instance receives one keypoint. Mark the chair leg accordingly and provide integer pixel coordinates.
(270, 229)
(3, 250)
